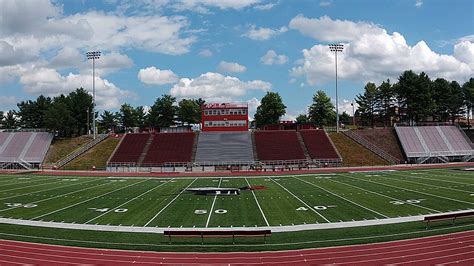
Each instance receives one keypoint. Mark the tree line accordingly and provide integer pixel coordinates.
(415, 98)
(71, 114)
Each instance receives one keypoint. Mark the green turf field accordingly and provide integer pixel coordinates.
(288, 200)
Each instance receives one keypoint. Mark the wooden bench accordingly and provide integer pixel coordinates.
(443, 217)
(217, 234)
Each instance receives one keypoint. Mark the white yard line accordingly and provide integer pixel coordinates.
(258, 204)
(58, 196)
(70, 184)
(442, 180)
(128, 201)
(169, 203)
(212, 206)
(383, 195)
(425, 184)
(414, 191)
(42, 184)
(296, 197)
(84, 201)
(346, 199)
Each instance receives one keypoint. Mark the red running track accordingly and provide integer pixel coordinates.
(449, 249)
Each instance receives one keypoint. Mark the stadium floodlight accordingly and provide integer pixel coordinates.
(336, 48)
(93, 56)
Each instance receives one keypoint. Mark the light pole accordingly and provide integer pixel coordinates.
(336, 48)
(353, 115)
(93, 55)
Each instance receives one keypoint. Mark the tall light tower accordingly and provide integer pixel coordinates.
(336, 48)
(93, 55)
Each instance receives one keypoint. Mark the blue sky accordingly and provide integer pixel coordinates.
(227, 50)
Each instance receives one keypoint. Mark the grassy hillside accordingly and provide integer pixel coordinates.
(353, 154)
(96, 156)
(62, 147)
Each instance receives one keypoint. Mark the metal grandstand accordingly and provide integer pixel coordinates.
(434, 143)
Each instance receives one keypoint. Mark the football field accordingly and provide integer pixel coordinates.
(281, 200)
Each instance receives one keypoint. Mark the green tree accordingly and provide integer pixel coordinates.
(140, 115)
(441, 91)
(108, 121)
(455, 101)
(302, 118)
(345, 118)
(321, 112)
(32, 113)
(368, 104)
(128, 118)
(162, 112)
(414, 94)
(80, 102)
(270, 110)
(2, 118)
(385, 102)
(468, 95)
(189, 111)
(10, 121)
(59, 116)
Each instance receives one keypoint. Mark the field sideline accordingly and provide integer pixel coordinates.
(289, 200)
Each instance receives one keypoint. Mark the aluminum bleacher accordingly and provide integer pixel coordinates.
(278, 145)
(130, 148)
(224, 147)
(425, 143)
(319, 145)
(170, 147)
(27, 149)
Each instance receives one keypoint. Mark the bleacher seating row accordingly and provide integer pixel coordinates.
(222, 148)
(434, 141)
(24, 147)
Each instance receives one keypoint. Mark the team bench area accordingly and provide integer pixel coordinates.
(218, 234)
(442, 217)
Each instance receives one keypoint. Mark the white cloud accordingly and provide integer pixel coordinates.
(253, 104)
(327, 30)
(9, 55)
(263, 34)
(202, 6)
(230, 67)
(265, 6)
(8, 100)
(373, 54)
(271, 58)
(418, 3)
(49, 82)
(345, 106)
(215, 87)
(205, 53)
(325, 3)
(67, 57)
(155, 76)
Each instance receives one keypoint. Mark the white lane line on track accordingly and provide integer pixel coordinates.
(84, 201)
(169, 203)
(385, 196)
(284, 254)
(407, 256)
(58, 196)
(414, 191)
(296, 197)
(113, 209)
(49, 261)
(212, 206)
(34, 192)
(258, 204)
(399, 178)
(348, 200)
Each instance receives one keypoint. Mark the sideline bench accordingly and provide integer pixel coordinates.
(442, 217)
(218, 234)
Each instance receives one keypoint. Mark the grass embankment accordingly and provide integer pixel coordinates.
(97, 156)
(354, 154)
(60, 148)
